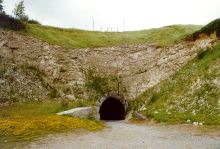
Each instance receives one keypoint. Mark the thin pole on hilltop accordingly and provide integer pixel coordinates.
(123, 25)
(93, 24)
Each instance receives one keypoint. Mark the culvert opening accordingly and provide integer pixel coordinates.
(112, 108)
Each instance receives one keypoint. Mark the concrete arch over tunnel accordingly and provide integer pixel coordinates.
(113, 108)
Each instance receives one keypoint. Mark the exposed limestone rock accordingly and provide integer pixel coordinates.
(71, 97)
(140, 66)
(129, 116)
(13, 45)
(83, 112)
(139, 116)
(217, 82)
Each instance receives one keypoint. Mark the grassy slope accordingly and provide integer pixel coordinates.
(72, 38)
(190, 94)
(208, 29)
(26, 121)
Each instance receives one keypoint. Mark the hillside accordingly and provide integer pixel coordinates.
(211, 29)
(73, 38)
(72, 68)
(191, 95)
(33, 69)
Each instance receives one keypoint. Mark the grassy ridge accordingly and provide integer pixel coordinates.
(191, 95)
(73, 38)
(212, 27)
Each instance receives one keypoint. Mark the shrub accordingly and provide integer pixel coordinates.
(9, 22)
(100, 85)
(202, 54)
(53, 93)
(33, 22)
(153, 99)
(65, 103)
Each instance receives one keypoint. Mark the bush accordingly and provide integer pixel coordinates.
(102, 85)
(53, 93)
(153, 99)
(33, 22)
(9, 22)
(202, 54)
(65, 103)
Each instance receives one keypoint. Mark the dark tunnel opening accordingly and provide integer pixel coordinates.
(112, 109)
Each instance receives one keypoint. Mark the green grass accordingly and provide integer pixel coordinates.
(190, 94)
(73, 38)
(23, 122)
(39, 108)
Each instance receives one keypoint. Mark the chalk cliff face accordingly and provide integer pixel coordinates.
(33, 69)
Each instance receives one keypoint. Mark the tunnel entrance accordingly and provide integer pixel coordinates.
(112, 108)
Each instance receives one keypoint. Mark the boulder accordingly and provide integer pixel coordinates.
(71, 97)
(13, 45)
(2, 43)
(129, 116)
(139, 116)
(82, 112)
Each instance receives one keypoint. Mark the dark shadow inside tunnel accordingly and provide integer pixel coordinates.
(112, 109)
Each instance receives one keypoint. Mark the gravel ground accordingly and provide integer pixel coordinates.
(122, 135)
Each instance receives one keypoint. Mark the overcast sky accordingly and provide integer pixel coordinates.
(137, 14)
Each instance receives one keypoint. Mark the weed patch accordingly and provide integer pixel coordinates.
(98, 85)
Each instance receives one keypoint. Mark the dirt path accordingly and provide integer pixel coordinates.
(121, 135)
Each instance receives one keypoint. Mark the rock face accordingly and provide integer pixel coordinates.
(83, 112)
(71, 97)
(140, 66)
